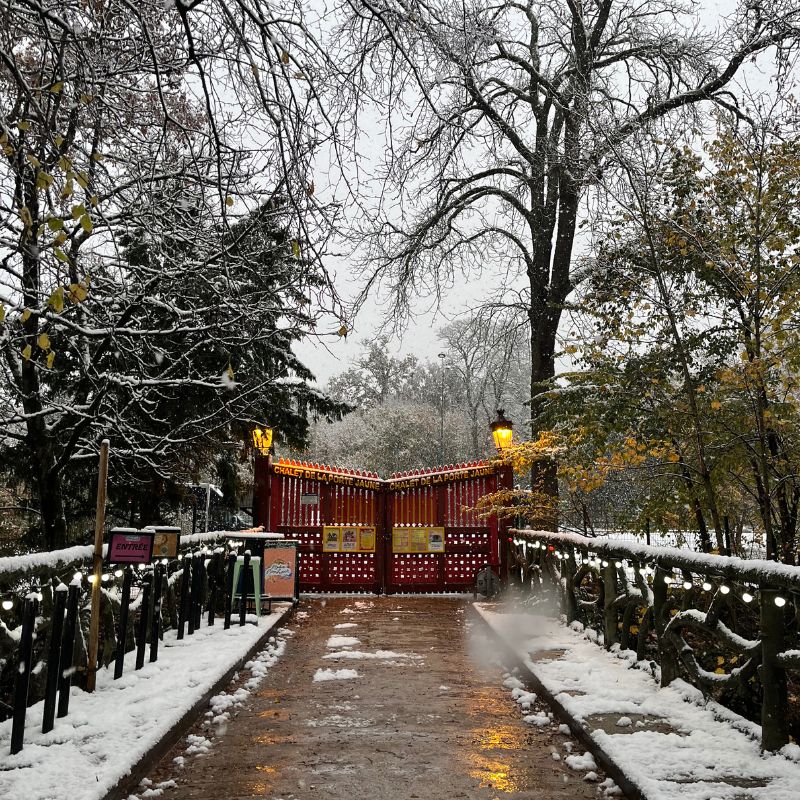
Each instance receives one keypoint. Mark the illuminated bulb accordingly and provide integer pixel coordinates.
(706, 586)
(165, 561)
(780, 601)
(141, 567)
(180, 556)
(117, 573)
(687, 585)
(667, 579)
(747, 597)
(617, 564)
(724, 589)
(104, 577)
(90, 578)
(8, 604)
(605, 563)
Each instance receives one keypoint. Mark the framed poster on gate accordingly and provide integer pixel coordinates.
(349, 542)
(401, 540)
(366, 539)
(436, 540)
(129, 546)
(331, 538)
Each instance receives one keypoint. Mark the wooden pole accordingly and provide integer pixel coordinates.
(99, 525)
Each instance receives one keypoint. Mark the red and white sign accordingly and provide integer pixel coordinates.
(127, 546)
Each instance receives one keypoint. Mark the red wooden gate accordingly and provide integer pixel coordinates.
(412, 533)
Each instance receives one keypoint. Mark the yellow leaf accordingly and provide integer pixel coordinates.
(78, 211)
(285, 57)
(33, 161)
(86, 223)
(59, 140)
(97, 156)
(23, 125)
(26, 352)
(65, 163)
(43, 340)
(716, 405)
(78, 292)
(51, 357)
(295, 248)
(94, 200)
(720, 660)
(26, 315)
(55, 223)
(83, 180)
(2, 314)
(86, 98)
(57, 87)
(229, 201)
(61, 255)
(719, 671)
(56, 300)
(342, 330)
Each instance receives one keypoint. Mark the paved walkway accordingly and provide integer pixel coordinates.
(426, 717)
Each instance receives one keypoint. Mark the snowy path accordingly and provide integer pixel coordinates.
(667, 741)
(382, 698)
(109, 732)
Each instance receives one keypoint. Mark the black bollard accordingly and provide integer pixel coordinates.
(54, 656)
(155, 630)
(122, 633)
(144, 611)
(243, 576)
(201, 581)
(183, 603)
(23, 674)
(213, 572)
(229, 590)
(67, 650)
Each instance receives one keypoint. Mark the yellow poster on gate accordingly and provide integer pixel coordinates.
(331, 538)
(401, 540)
(419, 540)
(366, 540)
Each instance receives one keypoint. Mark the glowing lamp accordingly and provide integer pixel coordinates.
(262, 440)
(502, 431)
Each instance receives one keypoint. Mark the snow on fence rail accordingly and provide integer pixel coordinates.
(727, 625)
(44, 619)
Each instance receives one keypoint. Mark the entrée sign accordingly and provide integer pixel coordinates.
(326, 477)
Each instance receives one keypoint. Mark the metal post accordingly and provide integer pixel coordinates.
(213, 574)
(54, 656)
(229, 590)
(67, 650)
(142, 631)
(243, 575)
(23, 674)
(99, 523)
(183, 602)
(155, 631)
(122, 633)
(208, 504)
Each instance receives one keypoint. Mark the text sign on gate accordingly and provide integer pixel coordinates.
(348, 539)
(129, 546)
(280, 572)
(417, 540)
(309, 499)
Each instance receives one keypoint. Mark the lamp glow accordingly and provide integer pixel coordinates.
(706, 586)
(687, 585)
(8, 605)
(724, 589)
(262, 440)
(747, 597)
(502, 431)
(780, 601)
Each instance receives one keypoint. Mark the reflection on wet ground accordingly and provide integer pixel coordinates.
(440, 726)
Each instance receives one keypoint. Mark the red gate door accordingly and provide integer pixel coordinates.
(336, 515)
(415, 532)
(435, 541)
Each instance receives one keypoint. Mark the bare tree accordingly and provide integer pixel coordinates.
(502, 114)
(159, 228)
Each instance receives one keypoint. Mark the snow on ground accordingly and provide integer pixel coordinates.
(106, 733)
(684, 748)
(335, 642)
(378, 655)
(346, 625)
(335, 675)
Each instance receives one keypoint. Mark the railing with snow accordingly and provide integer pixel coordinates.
(728, 626)
(44, 621)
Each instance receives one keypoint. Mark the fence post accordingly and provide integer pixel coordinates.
(67, 650)
(155, 631)
(23, 674)
(774, 728)
(97, 567)
(122, 633)
(666, 654)
(243, 575)
(213, 573)
(229, 590)
(610, 634)
(144, 612)
(183, 601)
(200, 563)
(54, 656)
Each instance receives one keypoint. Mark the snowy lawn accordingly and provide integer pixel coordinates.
(107, 733)
(679, 748)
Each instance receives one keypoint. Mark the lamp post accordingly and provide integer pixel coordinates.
(442, 357)
(502, 431)
(262, 468)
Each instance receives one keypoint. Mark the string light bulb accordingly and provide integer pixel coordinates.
(117, 573)
(780, 601)
(706, 586)
(90, 578)
(747, 597)
(618, 564)
(667, 579)
(724, 589)
(687, 585)
(605, 563)
(8, 605)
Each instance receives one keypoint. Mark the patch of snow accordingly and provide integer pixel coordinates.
(336, 642)
(335, 675)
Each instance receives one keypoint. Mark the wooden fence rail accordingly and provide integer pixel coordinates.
(726, 625)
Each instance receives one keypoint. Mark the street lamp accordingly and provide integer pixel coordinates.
(442, 357)
(502, 431)
(262, 440)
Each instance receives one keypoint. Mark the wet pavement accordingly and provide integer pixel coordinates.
(426, 716)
